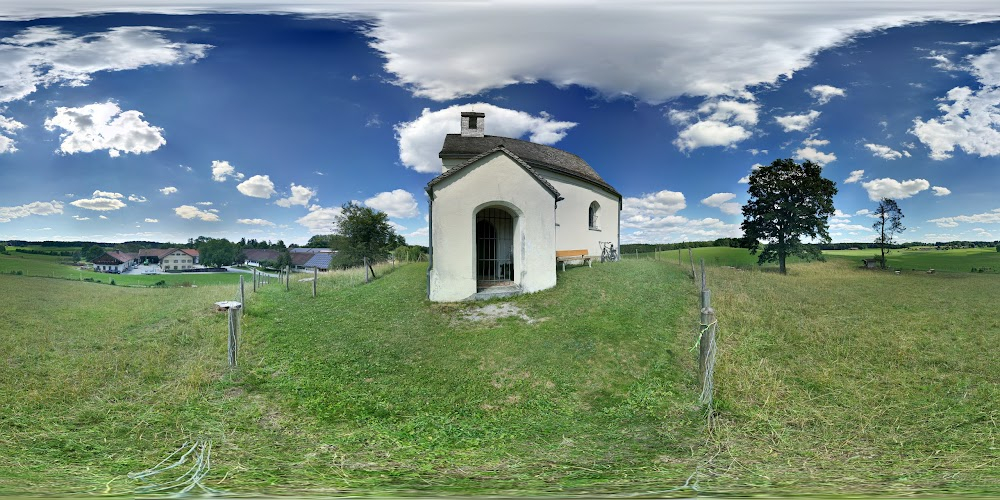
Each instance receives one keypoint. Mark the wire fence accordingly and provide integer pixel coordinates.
(293, 280)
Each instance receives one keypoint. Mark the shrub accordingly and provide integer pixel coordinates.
(112, 281)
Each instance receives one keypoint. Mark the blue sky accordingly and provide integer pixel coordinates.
(150, 120)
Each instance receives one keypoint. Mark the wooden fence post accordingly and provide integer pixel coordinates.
(241, 290)
(255, 279)
(234, 326)
(315, 278)
(691, 258)
(366, 269)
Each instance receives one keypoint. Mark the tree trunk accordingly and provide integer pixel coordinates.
(781, 262)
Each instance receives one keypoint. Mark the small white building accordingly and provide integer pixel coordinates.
(501, 209)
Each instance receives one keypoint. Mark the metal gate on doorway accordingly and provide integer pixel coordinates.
(494, 248)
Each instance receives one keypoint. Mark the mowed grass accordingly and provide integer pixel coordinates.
(840, 379)
(49, 266)
(367, 388)
(959, 260)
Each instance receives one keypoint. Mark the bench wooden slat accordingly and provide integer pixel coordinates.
(565, 256)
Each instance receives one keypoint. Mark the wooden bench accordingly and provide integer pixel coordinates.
(565, 256)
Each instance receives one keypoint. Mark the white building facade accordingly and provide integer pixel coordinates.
(502, 208)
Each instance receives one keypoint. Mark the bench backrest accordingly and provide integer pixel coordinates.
(571, 253)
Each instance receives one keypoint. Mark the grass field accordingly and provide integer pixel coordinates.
(48, 266)
(961, 260)
(830, 380)
(858, 381)
(390, 394)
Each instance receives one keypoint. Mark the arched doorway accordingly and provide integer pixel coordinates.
(494, 248)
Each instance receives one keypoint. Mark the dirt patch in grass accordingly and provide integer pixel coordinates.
(492, 312)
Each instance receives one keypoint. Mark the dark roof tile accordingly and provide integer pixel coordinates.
(536, 155)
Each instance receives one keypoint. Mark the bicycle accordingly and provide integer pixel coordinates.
(608, 252)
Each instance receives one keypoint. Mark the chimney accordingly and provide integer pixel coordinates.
(473, 124)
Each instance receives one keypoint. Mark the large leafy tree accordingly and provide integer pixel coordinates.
(368, 233)
(217, 252)
(787, 202)
(888, 223)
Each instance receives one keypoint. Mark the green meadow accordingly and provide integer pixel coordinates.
(959, 260)
(48, 266)
(830, 380)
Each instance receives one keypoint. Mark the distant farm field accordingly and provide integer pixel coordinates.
(961, 260)
(49, 266)
(829, 380)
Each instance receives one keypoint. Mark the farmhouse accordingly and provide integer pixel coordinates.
(178, 259)
(503, 207)
(155, 255)
(115, 262)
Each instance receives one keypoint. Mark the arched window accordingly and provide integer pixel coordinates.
(594, 213)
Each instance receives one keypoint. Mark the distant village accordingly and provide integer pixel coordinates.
(155, 260)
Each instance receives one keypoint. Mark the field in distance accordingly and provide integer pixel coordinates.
(51, 266)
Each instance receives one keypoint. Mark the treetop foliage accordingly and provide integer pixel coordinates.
(788, 202)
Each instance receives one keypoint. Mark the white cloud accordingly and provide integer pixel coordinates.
(102, 216)
(222, 170)
(34, 208)
(812, 141)
(710, 133)
(396, 203)
(863, 211)
(891, 188)
(855, 176)
(721, 201)
(255, 222)
(991, 217)
(77, 217)
(818, 157)
(418, 234)
(10, 126)
(941, 61)
(300, 196)
(969, 121)
(43, 56)
(726, 110)
(654, 51)
(717, 122)
(169, 190)
(744, 180)
(420, 140)
(884, 152)
(108, 194)
(152, 220)
(102, 201)
(797, 123)
(849, 227)
(677, 228)
(258, 186)
(823, 93)
(190, 212)
(940, 191)
(651, 206)
(137, 198)
(104, 126)
(321, 220)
